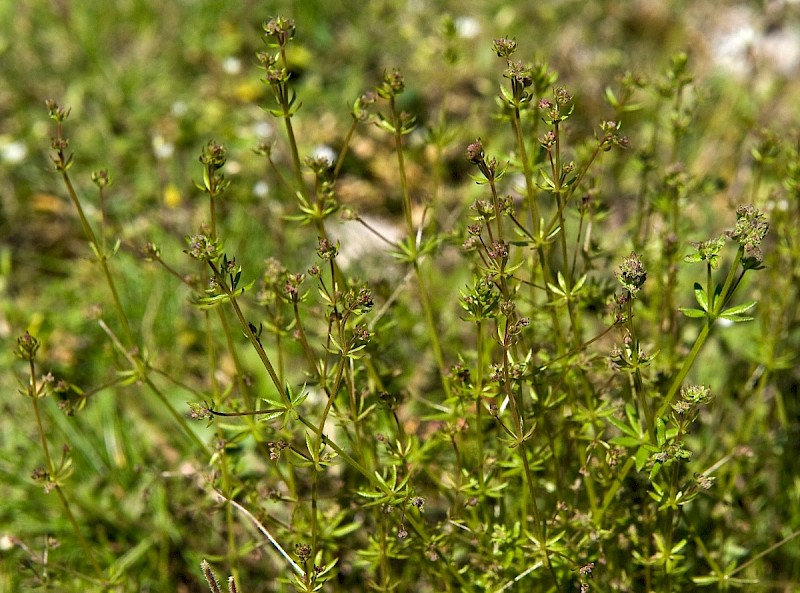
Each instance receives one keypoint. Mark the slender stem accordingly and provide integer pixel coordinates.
(345, 147)
(262, 354)
(401, 165)
(716, 308)
(433, 332)
(51, 471)
(99, 254)
(521, 439)
(530, 197)
(283, 99)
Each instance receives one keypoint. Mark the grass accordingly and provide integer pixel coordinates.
(405, 314)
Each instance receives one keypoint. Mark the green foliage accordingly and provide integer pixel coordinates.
(501, 367)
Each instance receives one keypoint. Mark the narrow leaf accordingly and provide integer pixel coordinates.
(700, 296)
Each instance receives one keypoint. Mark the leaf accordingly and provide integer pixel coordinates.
(694, 313)
(705, 580)
(654, 471)
(507, 96)
(579, 284)
(555, 289)
(626, 441)
(625, 428)
(734, 313)
(633, 419)
(611, 98)
(562, 282)
(736, 318)
(641, 457)
(661, 436)
(700, 296)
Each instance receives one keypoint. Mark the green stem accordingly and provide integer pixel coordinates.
(433, 332)
(716, 305)
(259, 348)
(401, 165)
(521, 439)
(99, 254)
(51, 469)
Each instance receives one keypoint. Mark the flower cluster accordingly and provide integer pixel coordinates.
(750, 230)
(632, 274)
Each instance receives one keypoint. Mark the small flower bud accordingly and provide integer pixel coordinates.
(562, 96)
(27, 346)
(101, 178)
(150, 252)
(303, 551)
(632, 274)
(57, 112)
(280, 29)
(750, 230)
(327, 250)
(504, 47)
(474, 152)
(213, 155)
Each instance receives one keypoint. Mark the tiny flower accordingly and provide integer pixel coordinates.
(681, 407)
(562, 96)
(303, 551)
(750, 230)
(460, 374)
(361, 105)
(470, 244)
(707, 251)
(697, 394)
(57, 112)
(101, 178)
(703, 481)
(484, 209)
(548, 139)
(504, 47)
(499, 250)
(275, 449)
(361, 333)
(59, 144)
(519, 74)
(150, 252)
(264, 148)
(199, 411)
(27, 346)
(291, 289)
(213, 155)
(393, 84)
(327, 250)
(280, 29)
(632, 274)
(322, 161)
(364, 299)
(202, 247)
(474, 152)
